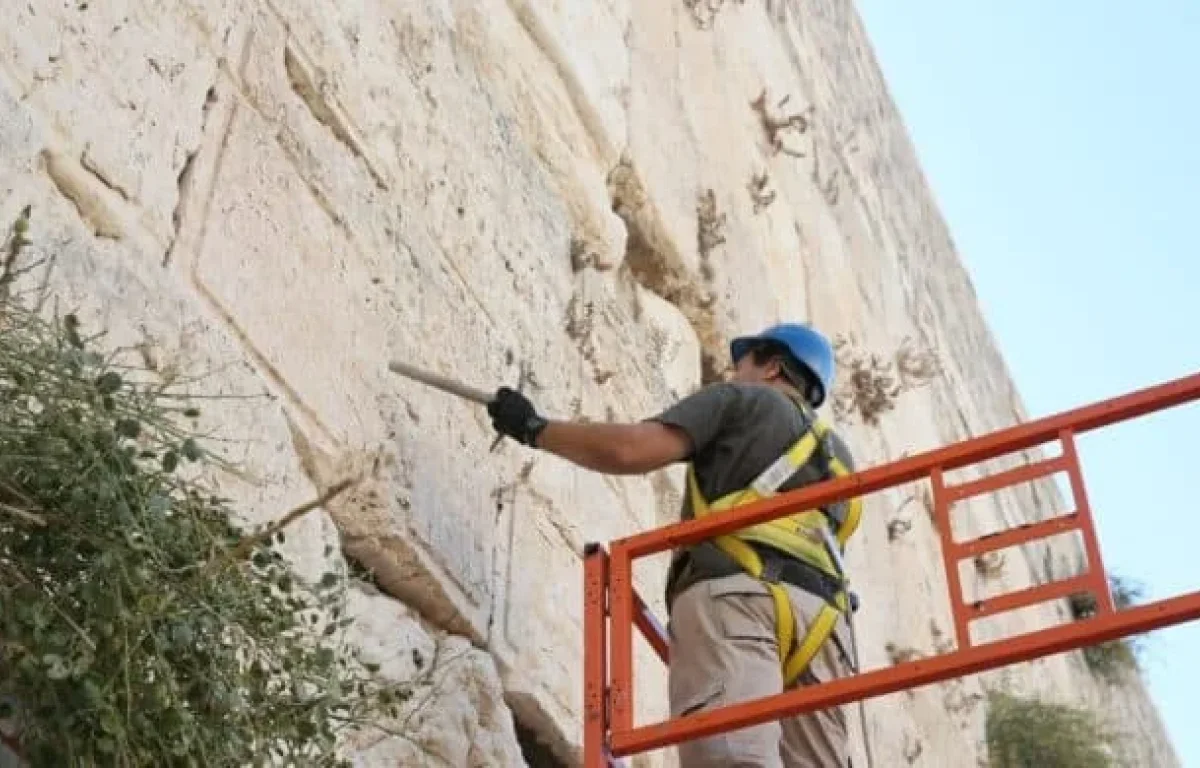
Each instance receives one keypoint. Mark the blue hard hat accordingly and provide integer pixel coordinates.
(810, 348)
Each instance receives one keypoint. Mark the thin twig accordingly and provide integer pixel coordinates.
(21, 514)
(245, 545)
(14, 492)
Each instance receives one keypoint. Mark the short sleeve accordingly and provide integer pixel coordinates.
(701, 415)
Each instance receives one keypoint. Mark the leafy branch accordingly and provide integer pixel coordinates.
(138, 626)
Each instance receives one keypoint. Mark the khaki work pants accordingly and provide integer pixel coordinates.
(723, 650)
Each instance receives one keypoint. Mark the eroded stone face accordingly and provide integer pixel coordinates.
(286, 196)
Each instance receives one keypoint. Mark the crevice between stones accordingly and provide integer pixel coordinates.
(184, 188)
(656, 264)
(306, 85)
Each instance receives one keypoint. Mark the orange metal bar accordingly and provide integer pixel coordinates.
(620, 580)
(916, 467)
(1015, 536)
(1007, 478)
(595, 656)
(941, 514)
(650, 628)
(1022, 598)
(1091, 545)
(912, 674)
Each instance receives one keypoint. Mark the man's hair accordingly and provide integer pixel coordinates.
(796, 372)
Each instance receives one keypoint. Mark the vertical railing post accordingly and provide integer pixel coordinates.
(945, 528)
(595, 657)
(620, 585)
(1091, 544)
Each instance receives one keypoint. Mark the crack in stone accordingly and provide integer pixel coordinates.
(184, 185)
(655, 263)
(91, 167)
(306, 86)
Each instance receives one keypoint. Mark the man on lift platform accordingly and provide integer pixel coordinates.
(764, 609)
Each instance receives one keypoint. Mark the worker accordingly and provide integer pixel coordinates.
(733, 601)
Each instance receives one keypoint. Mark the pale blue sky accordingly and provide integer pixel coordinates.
(1062, 141)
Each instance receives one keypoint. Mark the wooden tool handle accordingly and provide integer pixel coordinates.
(441, 382)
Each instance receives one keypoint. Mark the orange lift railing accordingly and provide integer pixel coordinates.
(612, 607)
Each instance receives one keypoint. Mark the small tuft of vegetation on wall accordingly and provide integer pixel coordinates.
(710, 229)
(1115, 660)
(871, 383)
(761, 195)
(990, 565)
(1027, 733)
(138, 626)
(704, 12)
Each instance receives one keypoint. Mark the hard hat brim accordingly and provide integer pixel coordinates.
(741, 345)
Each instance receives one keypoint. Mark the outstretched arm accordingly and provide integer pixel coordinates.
(618, 449)
(615, 449)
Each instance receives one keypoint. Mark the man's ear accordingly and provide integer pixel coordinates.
(774, 368)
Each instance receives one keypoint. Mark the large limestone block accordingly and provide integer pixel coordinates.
(149, 314)
(114, 70)
(566, 101)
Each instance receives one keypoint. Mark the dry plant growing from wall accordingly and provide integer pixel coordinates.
(581, 256)
(774, 125)
(912, 748)
(710, 225)
(873, 382)
(941, 643)
(704, 12)
(898, 526)
(916, 367)
(900, 654)
(759, 194)
(989, 565)
(579, 324)
(1115, 660)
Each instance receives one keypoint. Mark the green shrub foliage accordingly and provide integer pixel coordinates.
(1115, 661)
(1025, 733)
(138, 627)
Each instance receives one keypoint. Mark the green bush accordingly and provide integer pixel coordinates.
(1114, 660)
(137, 626)
(1025, 733)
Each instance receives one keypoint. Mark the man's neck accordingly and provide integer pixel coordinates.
(783, 386)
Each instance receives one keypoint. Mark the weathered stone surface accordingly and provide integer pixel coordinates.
(456, 714)
(279, 198)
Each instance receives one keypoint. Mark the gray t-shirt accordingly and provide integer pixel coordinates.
(737, 430)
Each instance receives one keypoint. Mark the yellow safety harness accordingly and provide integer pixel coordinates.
(804, 535)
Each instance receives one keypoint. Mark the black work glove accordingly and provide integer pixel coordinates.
(513, 415)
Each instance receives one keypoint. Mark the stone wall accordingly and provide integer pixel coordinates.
(277, 198)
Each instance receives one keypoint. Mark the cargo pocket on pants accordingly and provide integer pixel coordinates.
(745, 612)
(708, 695)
